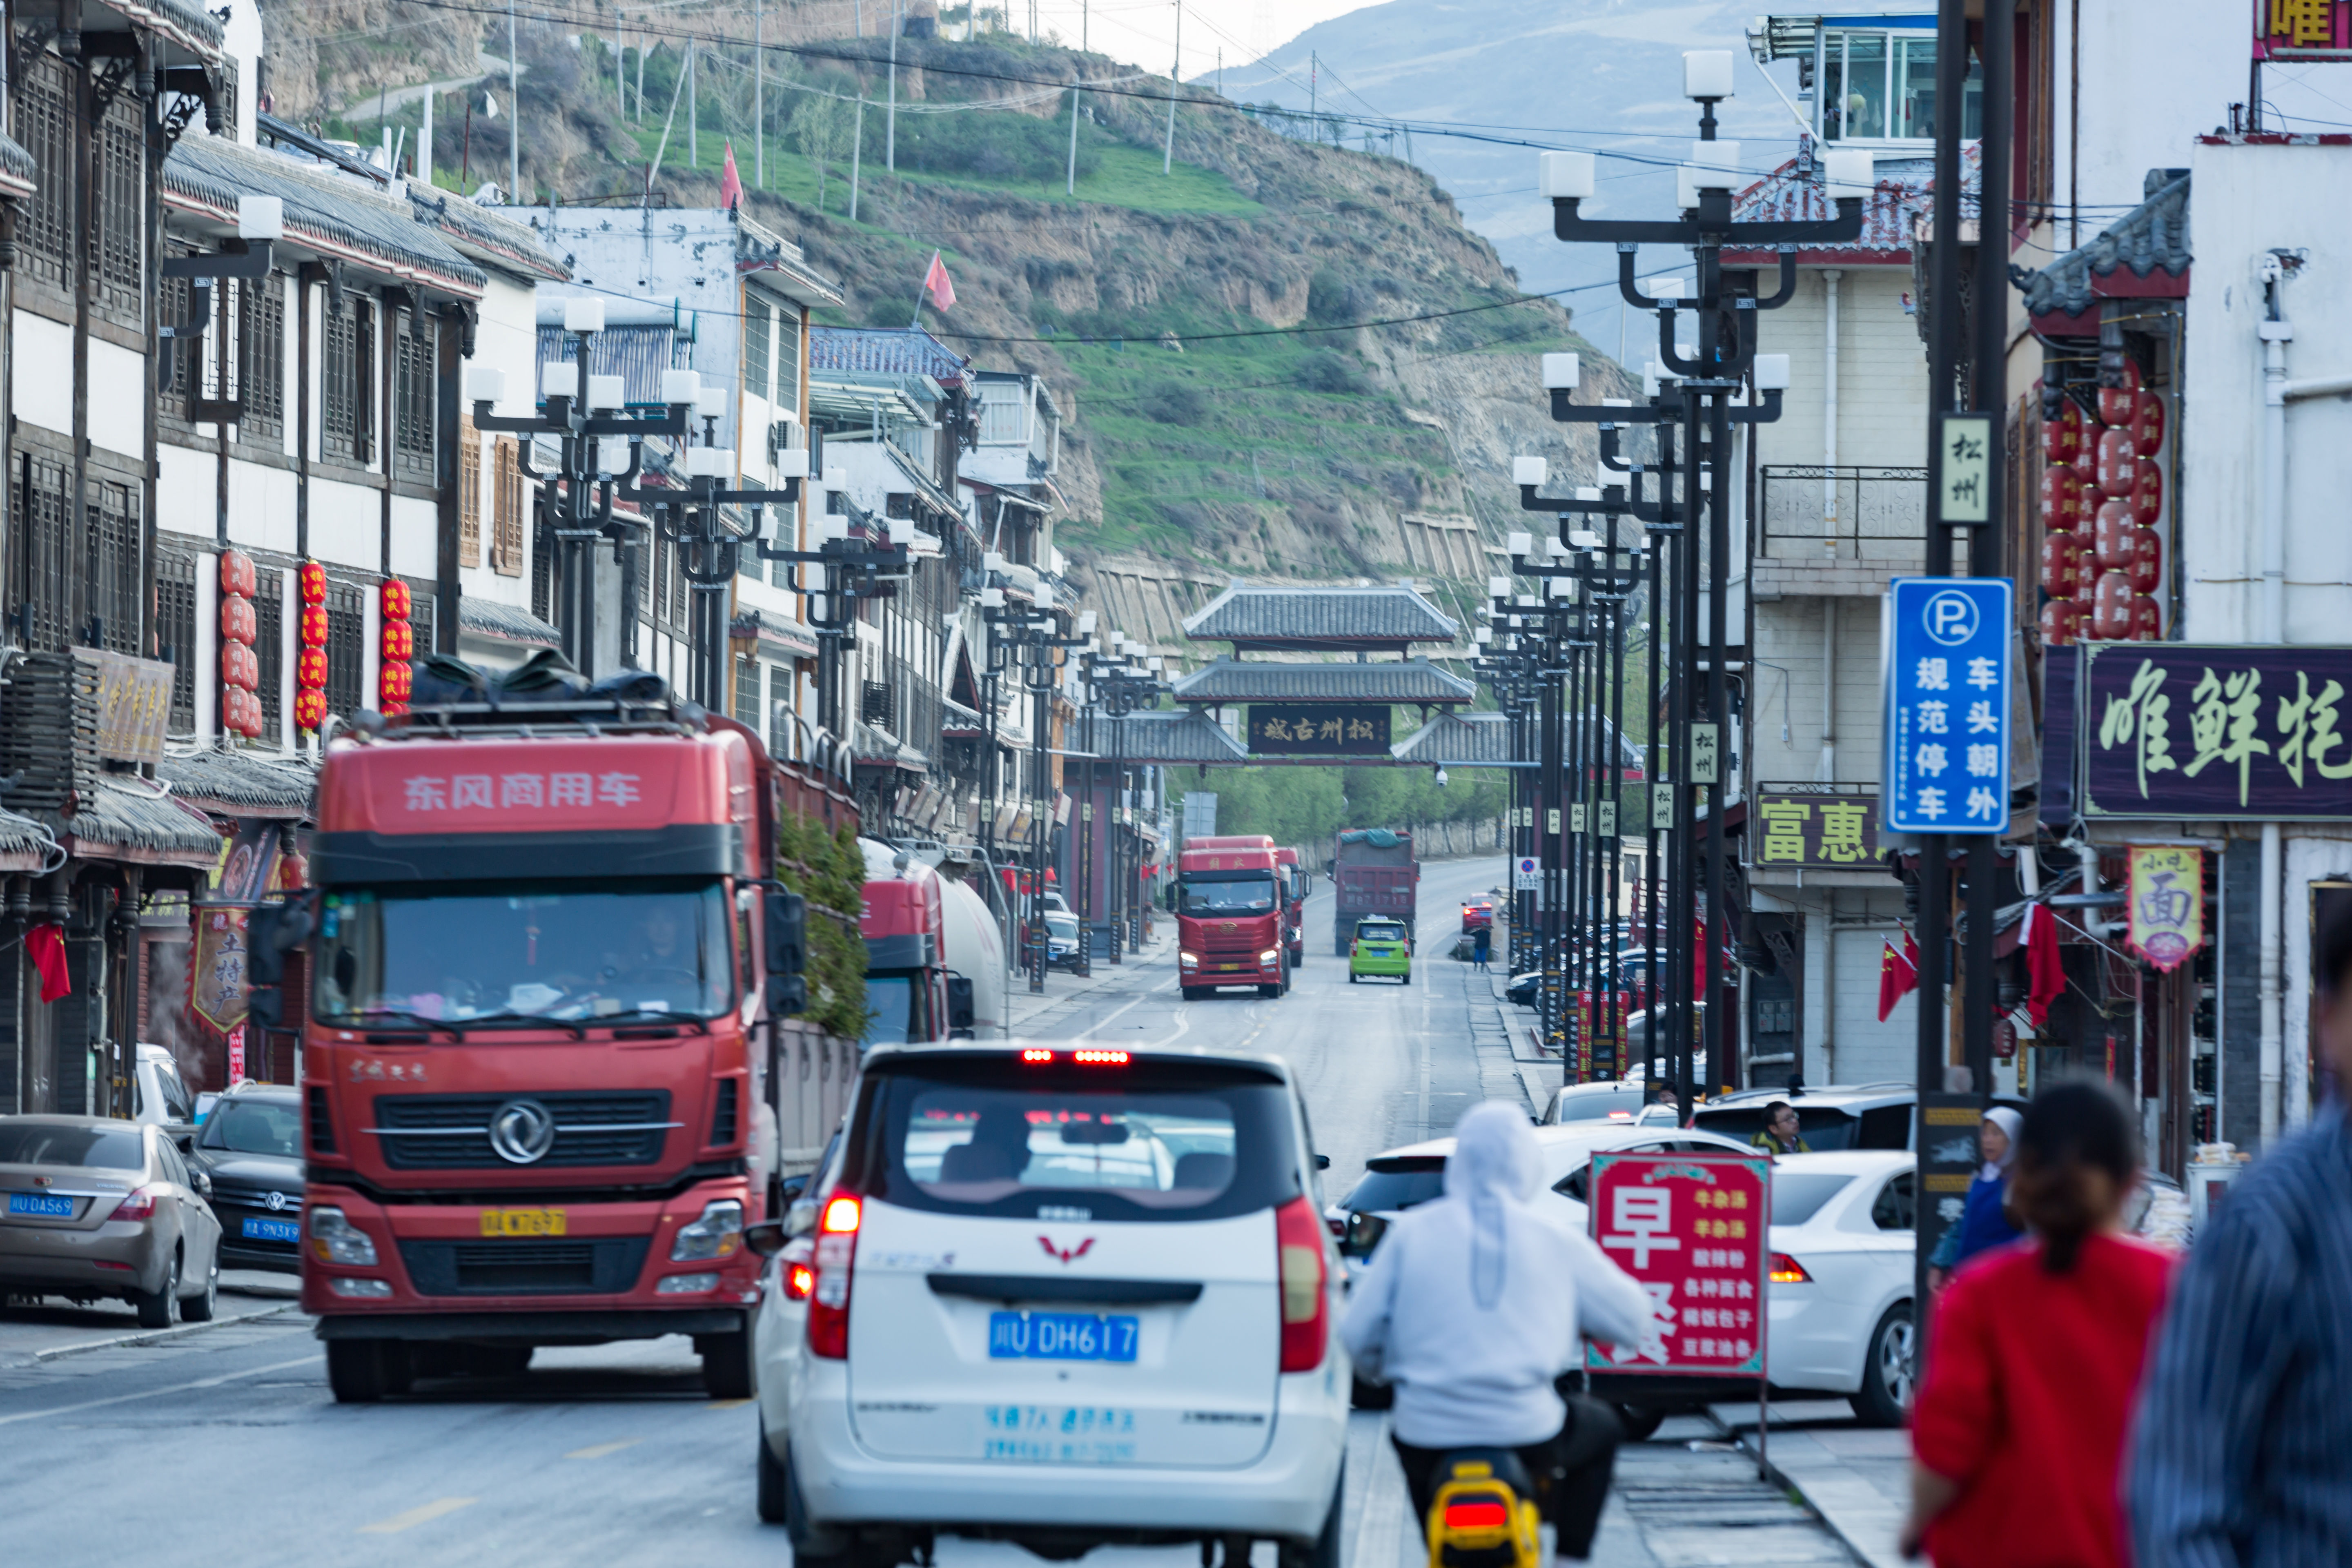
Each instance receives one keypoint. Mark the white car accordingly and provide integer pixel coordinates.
(1842, 1279)
(1061, 1294)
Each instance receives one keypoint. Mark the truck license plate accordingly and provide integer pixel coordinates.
(522, 1222)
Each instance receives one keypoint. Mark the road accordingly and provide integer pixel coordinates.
(224, 1442)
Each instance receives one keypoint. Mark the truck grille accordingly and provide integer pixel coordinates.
(452, 1132)
(594, 1266)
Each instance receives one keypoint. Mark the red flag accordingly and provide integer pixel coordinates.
(47, 947)
(2045, 974)
(731, 183)
(1898, 974)
(935, 284)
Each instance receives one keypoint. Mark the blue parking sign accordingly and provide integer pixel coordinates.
(1945, 678)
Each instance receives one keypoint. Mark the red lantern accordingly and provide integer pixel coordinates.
(393, 687)
(2115, 402)
(237, 572)
(2111, 535)
(309, 709)
(313, 581)
(2146, 568)
(239, 670)
(314, 625)
(2147, 620)
(2062, 564)
(2062, 621)
(2061, 438)
(237, 623)
(394, 598)
(310, 669)
(2062, 499)
(2118, 464)
(399, 642)
(2111, 607)
(2147, 492)
(2148, 423)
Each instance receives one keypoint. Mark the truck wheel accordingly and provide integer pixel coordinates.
(727, 1369)
(1194, 993)
(1269, 990)
(356, 1370)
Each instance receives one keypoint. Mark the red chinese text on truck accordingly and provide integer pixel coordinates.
(1229, 921)
(546, 962)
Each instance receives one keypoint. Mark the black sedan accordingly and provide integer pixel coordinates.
(251, 1146)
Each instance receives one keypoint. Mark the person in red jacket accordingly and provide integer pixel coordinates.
(2035, 1357)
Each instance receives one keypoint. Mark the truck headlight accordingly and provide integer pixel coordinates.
(1270, 956)
(716, 1234)
(336, 1239)
(1189, 960)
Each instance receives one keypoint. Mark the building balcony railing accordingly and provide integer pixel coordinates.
(1816, 515)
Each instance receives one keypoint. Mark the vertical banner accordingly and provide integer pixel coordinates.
(2165, 903)
(1695, 1231)
(236, 1055)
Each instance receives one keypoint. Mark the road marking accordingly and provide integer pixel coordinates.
(601, 1449)
(426, 1514)
(157, 1392)
(725, 1405)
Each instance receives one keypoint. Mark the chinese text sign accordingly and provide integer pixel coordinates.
(2165, 907)
(1945, 679)
(1695, 1231)
(1337, 730)
(2188, 730)
(1816, 832)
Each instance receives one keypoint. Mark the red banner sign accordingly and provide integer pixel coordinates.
(1695, 1230)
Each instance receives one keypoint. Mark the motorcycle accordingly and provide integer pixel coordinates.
(1484, 1514)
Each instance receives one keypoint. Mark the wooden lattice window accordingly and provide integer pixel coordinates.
(44, 120)
(262, 326)
(747, 691)
(115, 596)
(346, 644)
(759, 346)
(512, 508)
(119, 237)
(469, 493)
(45, 617)
(269, 646)
(414, 369)
(175, 633)
(347, 408)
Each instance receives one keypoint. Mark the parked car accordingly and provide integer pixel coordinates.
(1477, 914)
(251, 1147)
(1618, 1101)
(1841, 1279)
(159, 1095)
(1863, 1116)
(1061, 939)
(1060, 1295)
(93, 1208)
(1381, 948)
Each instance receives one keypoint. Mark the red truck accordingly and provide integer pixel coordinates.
(1289, 883)
(1372, 873)
(1228, 918)
(542, 1046)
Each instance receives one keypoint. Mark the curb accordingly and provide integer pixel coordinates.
(1865, 1553)
(157, 1336)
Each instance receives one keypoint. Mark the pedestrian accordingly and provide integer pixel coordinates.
(1782, 1133)
(2239, 1456)
(1482, 943)
(2019, 1432)
(1984, 1221)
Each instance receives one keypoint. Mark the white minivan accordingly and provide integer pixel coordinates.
(1063, 1295)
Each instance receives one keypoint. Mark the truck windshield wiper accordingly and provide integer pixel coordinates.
(642, 1014)
(370, 1017)
(509, 1016)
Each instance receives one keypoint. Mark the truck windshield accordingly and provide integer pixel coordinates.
(1254, 896)
(896, 1010)
(555, 951)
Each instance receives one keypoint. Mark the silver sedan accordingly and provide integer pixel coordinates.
(93, 1207)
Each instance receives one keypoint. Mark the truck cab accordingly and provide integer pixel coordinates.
(1228, 918)
(934, 960)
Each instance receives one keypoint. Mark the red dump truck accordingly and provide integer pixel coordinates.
(1289, 884)
(542, 987)
(1229, 916)
(1372, 873)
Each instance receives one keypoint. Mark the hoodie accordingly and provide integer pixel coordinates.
(1475, 1303)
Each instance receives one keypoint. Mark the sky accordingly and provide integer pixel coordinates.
(1145, 30)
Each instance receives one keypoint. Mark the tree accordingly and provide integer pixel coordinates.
(820, 129)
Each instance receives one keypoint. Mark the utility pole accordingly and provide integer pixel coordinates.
(424, 143)
(890, 119)
(1071, 185)
(514, 114)
(759, 93)
(1175, 77)
(693, 119)
(856, 151)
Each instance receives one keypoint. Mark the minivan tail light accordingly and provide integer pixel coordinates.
(835, 1262)
(1299, 1243)
(139, 1203)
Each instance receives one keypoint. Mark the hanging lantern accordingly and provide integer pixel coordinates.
(2115, 402)
(237, 620)
(2146, 619)
(393, 596)
(310, 669)
(2111, 607)
(2147, 491)
(2118, 464)
(2111, 535)
(2148, 423)
(399, 642)
(2062, 621)
(2062, 564)
(237, 572)
(2062, 499)
(2146, 567)
(394, 683)
(239, 670)
(2061, 438)
(312, 579)
(309, 709)
(313, 626)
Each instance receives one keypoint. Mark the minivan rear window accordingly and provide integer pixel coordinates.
(1823, 1127)
(1399, 1182)
(1001, 1137)
(92, 1147)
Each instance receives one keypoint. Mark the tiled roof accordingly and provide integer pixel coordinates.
(234, 783)
(505, 623)
(1163, 735)
(884, 351)
(25, 845)
(334, 214)
(1460, 741)
(1267, 614)
(486, 233)
(2152, 236)
(637, 354)
(192, 27)
(1905, 188)
(1409, 680)
(130, 820)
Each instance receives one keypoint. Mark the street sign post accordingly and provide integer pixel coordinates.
(1526, 874)
(1945, 680)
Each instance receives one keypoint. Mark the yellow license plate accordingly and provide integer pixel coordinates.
(522, 1222)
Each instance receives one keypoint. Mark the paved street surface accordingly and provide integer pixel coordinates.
(224, 1446)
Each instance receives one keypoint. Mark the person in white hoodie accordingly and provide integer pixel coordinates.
(1474, 1307)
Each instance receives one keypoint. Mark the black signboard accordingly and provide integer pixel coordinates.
(1318, 729)
(1814, 831)
(2261, 731)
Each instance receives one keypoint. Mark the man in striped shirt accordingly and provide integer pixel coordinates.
(2243, 1453)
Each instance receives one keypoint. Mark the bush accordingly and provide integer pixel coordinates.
(828, 870)
(1329, 370)
(998, 146)
(1175, 403)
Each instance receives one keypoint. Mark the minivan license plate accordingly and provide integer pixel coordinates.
(40, 1204)
(1061, 1336)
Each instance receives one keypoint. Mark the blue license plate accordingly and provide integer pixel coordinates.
(1061, 1336)
(286, 1230)
(40, 1204)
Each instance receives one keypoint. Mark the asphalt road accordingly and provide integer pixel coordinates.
(225, 1447)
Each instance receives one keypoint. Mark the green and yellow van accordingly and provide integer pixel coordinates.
(1381, 947)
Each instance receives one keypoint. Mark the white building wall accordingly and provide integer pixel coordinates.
(2153, 77)
(416, 537)
(118, 399)
(184, 488)
(346, 524)
(38, 394)
(262, 502)
(506, 338)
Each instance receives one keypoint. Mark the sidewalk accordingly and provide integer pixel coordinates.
(46, 1328)
(1511, 1030)
(1857, 1479)
(1064, 991)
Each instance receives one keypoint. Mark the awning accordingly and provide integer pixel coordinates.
(505, 623)
(25, 845)
(241, 785)
(126, 819)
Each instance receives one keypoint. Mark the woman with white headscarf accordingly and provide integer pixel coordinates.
(1985, 1223)
(1474, 1307)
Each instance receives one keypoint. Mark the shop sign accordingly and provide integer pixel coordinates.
(217, 974)
(2191, 731)
(2303, 30)
(1816, 832)
(1318, 729)
(1695, 1232)
(134, 705)
(2166, 913)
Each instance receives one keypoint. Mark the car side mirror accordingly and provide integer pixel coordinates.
(801, 1218)
(1322, 1161)
(202, 1182)
(1364, 1233)
(787, 953)
(960, 1004)
(767, 1238)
